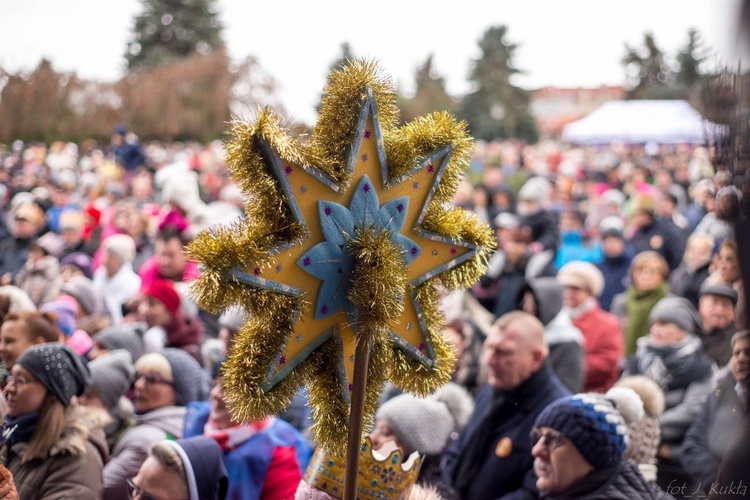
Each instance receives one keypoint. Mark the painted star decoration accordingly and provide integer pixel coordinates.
(318, 267)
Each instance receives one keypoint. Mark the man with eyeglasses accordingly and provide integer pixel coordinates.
(492, 457)
(579, 443)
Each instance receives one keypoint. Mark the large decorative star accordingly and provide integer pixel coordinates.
(297, 246)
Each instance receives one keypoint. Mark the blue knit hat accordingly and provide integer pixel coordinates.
(594, 425)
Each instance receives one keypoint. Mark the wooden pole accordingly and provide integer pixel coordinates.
(361, 362)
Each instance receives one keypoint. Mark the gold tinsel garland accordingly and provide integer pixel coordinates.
(379, 281)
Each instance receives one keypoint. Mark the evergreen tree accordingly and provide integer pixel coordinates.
(430, 94)
(648, 73)
(689, 61)
(169, 30)
(497, 108)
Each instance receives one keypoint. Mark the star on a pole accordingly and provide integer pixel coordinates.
(297, 273)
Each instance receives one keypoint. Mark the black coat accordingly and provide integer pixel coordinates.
(511, 475)
(663, 237)
(621, 483)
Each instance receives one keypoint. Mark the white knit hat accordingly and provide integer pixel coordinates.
(581, 274)
(121, 245)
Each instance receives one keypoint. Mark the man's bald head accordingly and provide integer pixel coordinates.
(515, 349)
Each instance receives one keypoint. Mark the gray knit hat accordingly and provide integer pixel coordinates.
(189, 378)
(127, 336)
(83, 290)
(111, 376)
(425, 425)
(676, 310)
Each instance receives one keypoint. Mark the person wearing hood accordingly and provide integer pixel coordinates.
(615, 262)
(579, 442)
(709, 438)
(190, 468)
(673, 357)
(543, 298)
(164, 383)
(111, 377)
(53, 447)
(601, 331)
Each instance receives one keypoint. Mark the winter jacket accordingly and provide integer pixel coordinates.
(686, 282)
(73, 469)
(565, 341)
(13, 254)
(269, 464)
(685, 374)
(574, 247)
(506, 465)
(40, 279)
(663, 237)
(132, 448)
(615, 271)
(543, 230)
(603, 346)
(712, 434)
(117, 290)
(623, 482)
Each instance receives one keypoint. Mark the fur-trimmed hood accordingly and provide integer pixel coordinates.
(83, 424)
(650, 393)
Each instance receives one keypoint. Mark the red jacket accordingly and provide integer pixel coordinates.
(603, 346)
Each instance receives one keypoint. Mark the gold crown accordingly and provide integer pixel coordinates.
(380, 477)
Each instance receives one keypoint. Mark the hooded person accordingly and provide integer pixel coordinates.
(53, 447)
(164, 383)
(543, 298)
(191, 468)
(579, 442)
(111, 377)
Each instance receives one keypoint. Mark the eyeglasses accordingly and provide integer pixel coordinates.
(150, 378)
(135, 492)
(19, 381)
(551, 439)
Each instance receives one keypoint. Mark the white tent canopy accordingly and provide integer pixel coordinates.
(638, 122)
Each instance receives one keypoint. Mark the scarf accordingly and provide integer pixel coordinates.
(232, 437)
(19, 429)
(673, 366)
(638, 307)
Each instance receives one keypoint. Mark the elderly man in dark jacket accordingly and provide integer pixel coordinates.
(709, 438)
(492, 456)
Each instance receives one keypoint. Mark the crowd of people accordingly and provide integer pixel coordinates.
(604, 354)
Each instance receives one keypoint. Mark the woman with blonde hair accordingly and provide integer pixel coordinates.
(54, 448)
(648, 274)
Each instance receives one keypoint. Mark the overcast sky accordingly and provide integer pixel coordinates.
(562, 43)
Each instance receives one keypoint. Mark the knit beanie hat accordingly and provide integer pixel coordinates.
(581, 274)
(164, 291)
(425, 424)
(232, 318)
(189, 378)
(83, 290)
(79, 260)
(593, 423)
(65, 309)
(676, 310)
(121, 245)
(644, 434)
(58, 368)
(127, 336)
(111, 376)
